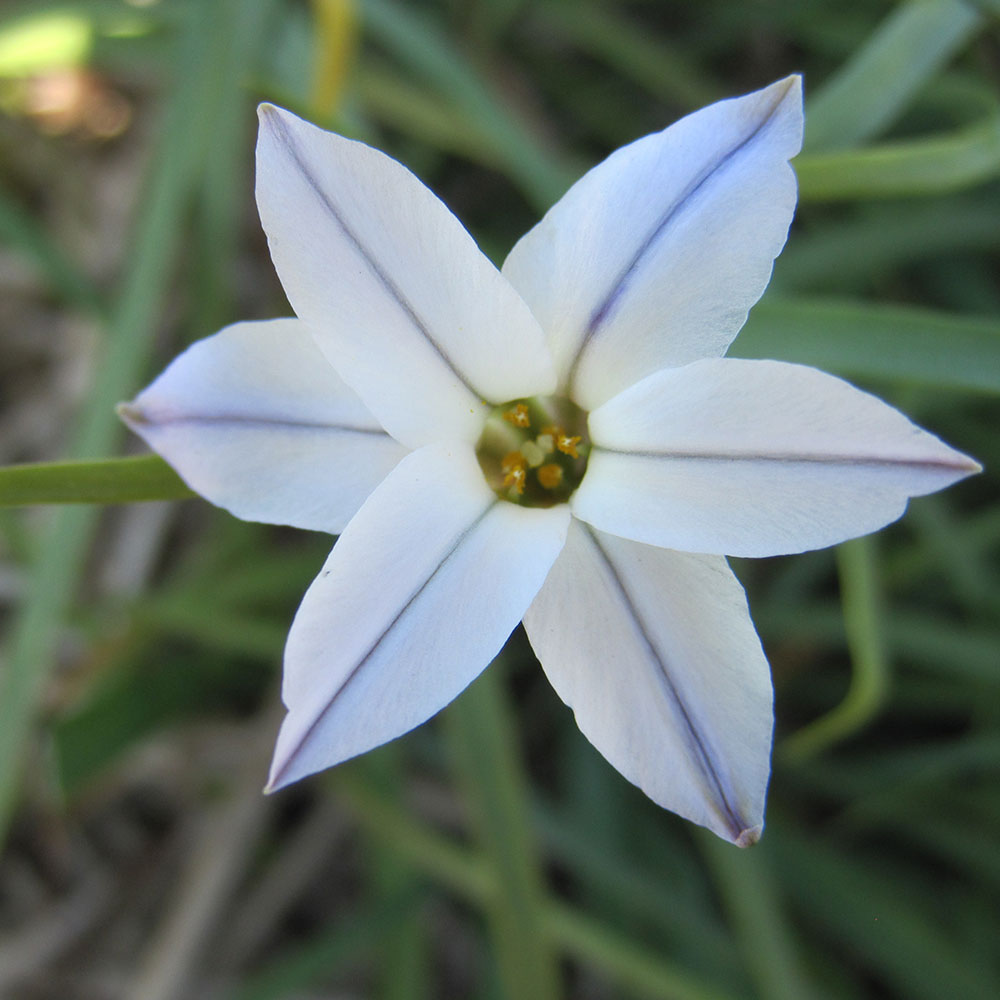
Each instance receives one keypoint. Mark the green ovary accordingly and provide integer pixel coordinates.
(533, 452)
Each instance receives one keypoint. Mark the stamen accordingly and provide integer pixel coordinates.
(550, 476)
(567, 445)
(518, 416)
(514, 471)
(533, 452)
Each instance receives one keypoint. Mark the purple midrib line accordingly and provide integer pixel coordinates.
(699, 745)
(394, 291)
(257, 422)
(607, 304)
(373, 648)
(929, 464)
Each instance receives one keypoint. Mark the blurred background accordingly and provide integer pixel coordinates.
(492, 853)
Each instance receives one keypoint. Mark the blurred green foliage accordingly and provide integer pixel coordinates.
(878, 875)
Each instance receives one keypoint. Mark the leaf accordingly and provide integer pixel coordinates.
(113, 480)
(864, 340)
(876, 85)
(935, 165)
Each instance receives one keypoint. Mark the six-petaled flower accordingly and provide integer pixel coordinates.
(561, 441)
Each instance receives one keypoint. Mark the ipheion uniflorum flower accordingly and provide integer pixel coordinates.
(561, 441)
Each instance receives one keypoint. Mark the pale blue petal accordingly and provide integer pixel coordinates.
(256, 421)
(754, 458)
(419, 594)
(656, 255)
(655, 653)
(401, 301)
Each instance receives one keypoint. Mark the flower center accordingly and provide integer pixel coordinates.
(534, 452)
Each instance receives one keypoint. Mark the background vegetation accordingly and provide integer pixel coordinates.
(492, 853)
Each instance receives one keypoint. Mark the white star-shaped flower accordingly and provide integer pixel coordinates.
(561, 442)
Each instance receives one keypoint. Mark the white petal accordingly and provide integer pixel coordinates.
(413, 317)
(417, 597)
(256, 421)
(655, 652)
(655, 256)
(754, 458)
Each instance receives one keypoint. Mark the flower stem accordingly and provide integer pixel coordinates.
(641, 971)
(489, 768)
(861, 596)
(404, 959)
(748, 891)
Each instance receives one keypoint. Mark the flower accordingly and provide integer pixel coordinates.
(560, 441)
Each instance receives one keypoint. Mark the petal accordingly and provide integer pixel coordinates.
(754, 458)
(404, 305)
(655, 653)
(256, 421)
(655, 256)
(417, 597)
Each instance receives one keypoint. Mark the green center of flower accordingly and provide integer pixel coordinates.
(534, 452)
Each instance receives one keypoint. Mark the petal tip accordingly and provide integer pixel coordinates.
(958, 462)
(792, 85)
(278, 777)
(784, 99)
(266, 110)
(271, 119)
(131, 414)
(749, 836)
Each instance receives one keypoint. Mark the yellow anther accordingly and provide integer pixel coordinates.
(515, 471)
(518, 416)
(567, 445)
(550, 476)
(533, 452)
(564, 443)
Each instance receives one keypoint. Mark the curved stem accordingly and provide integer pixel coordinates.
(861, 597)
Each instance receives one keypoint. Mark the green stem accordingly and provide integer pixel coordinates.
(465, 872)
(456, 867)
(487, 759)
(112, 480)
(402, 972)
(749, 894)
(861, 595)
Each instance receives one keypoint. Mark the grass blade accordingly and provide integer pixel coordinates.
(747, 886)
(864, 908)
(35, 632)
(863, 340)
(876, 85)
(19, 230)
(917, 167)
(641, 970)
(414, 40)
